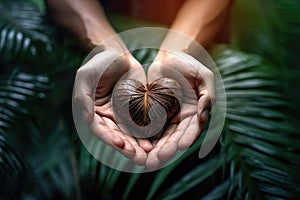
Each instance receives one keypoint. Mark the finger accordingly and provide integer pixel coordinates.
(204, 116)
(204, 83)
(85, 83)
(105, 110)
(83, 108)
(153, 161)
(131, 148)
(185, 111)
(190, 134)
(204, 76)
(87, 76)
(139, 156)
(180, 129)
(169, 148)
(102, 131)
(206, 92)
(167, 151)
(83, 100)
(130, 143)
(208, 86)
(145, 144)
(204, 105)
(128, 151)
(158, 142)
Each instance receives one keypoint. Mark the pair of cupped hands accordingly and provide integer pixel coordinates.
(94, 84)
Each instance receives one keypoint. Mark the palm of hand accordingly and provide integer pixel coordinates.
(181, 131)
(186, 127)
(104, 125)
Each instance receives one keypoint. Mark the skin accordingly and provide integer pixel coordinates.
(200, 20)
(97, 111)
(198, 95)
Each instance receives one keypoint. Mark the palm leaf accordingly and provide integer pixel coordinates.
(193, 178)
(257, 154)
(23, 33)
(268, 28)
(257, 139)
(16, 91)
(259, 145)
(263, 137)
(163, 174)
(53, 167)
(12, 169)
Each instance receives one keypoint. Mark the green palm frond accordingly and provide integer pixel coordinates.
(256, 157)
(30, 118)
(259, 130)
(258, 147)
(259, 133)
(12, 170)
(268, 28)
(54, 172)
(23, 33)
(15, 90)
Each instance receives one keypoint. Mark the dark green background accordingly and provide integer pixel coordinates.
(257, 157)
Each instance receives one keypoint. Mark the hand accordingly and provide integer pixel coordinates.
(94, 83)
(197, 83)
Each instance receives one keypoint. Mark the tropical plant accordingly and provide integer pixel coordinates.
(41, 156)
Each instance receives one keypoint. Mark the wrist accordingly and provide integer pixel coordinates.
(113, 44)
(84, 20)
(178, 42)
(164, 56)
(179, 45)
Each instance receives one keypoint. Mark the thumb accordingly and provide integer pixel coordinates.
(85, 83)
(204, 106)
(83, 108)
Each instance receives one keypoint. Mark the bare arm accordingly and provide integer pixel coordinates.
(200, 20)
(84, 19)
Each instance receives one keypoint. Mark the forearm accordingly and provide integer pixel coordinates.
(200, 21)
(84, 19)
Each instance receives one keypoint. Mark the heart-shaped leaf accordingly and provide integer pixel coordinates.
(145, 109)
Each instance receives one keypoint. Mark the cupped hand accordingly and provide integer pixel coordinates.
(197, 83)
(92, 93)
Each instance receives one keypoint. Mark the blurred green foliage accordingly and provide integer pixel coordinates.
(257, 157)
